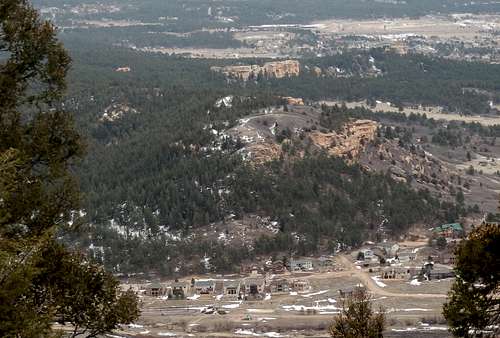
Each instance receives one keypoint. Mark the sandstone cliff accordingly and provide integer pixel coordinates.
(275, 69)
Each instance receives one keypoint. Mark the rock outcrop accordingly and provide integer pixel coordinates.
(275, 69)
(350, 142)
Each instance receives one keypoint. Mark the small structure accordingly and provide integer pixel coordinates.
(232, 288)
(451, 230)
(301, 265)
(398, 272)
(348, 292)
(280, 285)
(432, 271)
(277, 267)
(299, 285)
(254, 286)
(156, 290)
(366, 254)
(406, 256)
(204, 287)
(179, 290)
(389, 248)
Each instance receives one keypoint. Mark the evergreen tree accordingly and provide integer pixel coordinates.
(357, 319)
(38, 194)
(473, 308)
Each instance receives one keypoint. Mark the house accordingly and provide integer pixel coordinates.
(406, 256)
(398, 272)
(232, 288)
(156, 290)
(366, 254)
(389, 248)
(299, 285)
(179, 290)
(254, 286)
(451, 230)
(432, 271)
(349, 292)
(301, 265)
(280, 285)
(276, 267)
(204, 287)
(441, 273)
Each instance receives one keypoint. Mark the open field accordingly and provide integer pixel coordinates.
(434, 112)
(214, 53)
(444, 27)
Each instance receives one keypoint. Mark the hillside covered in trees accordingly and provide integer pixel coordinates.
(159, 166)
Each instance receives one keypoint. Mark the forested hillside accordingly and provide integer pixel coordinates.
(159, 165)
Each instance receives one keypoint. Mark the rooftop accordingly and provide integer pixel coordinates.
(444, 227)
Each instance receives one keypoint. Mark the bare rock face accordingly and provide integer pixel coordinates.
(275, 69)
(116, 111)
(350, 142)
(296, 101)
(260, 153)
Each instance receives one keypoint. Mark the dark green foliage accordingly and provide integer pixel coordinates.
(473, 308)
(38, 192)
(328, 198)
(357, 318)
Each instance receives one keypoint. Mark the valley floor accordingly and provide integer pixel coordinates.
(410, 309)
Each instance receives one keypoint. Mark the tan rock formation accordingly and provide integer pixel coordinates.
(295, 101)
(350, 142)
(260, 153)
(277, 69)
(281, 69)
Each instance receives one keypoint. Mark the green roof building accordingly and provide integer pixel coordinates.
(449, 230)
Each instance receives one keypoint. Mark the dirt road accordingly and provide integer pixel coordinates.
(370, 284)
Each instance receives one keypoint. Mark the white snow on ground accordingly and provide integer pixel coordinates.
(224, 102)
(415, 282)
(331, 300)
(424, 327)
(305, 308)
(251, 333)
(231, 306)
(193, 297)
(378, 282)
(293, 293)
(272, 334)
(219, 297)
(268, 296)
(135, 326)
(145, 332)
(260, 310)
(407, 310)
(167, 334)
(315, 293)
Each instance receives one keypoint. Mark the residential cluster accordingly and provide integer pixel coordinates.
(390, 260)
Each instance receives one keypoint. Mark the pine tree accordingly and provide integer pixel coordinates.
(357, 319)
(473, 306)
(38, 194)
